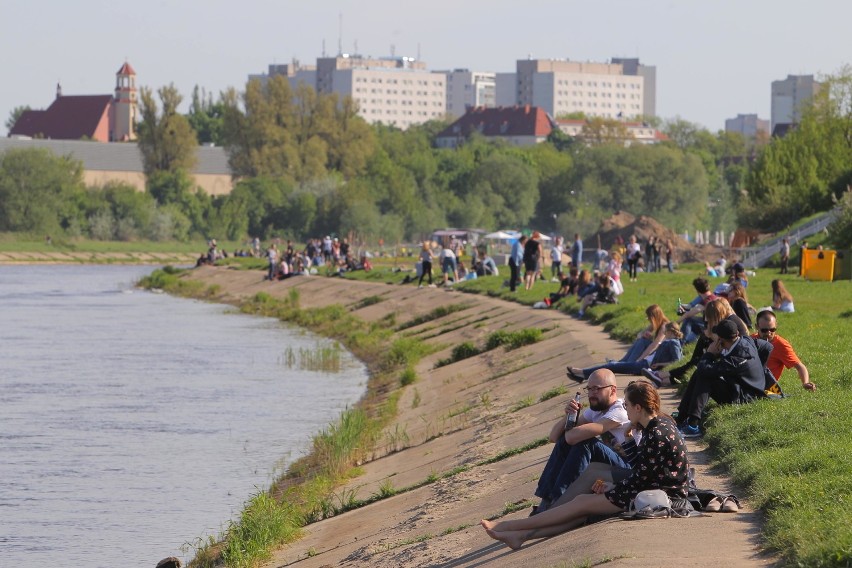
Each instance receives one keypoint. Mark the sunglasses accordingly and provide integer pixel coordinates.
(768, 329)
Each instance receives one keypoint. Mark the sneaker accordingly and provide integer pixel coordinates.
(690, 431)
(652, 376)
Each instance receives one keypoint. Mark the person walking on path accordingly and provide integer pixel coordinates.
(426, 257)
(785, 254)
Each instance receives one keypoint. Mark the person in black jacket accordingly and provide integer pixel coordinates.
(730, 371)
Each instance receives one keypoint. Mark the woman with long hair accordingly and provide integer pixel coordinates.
(782, 300)
(634, 253)
(650, 337)
(426, 257)
(661, 463)
(738, 298)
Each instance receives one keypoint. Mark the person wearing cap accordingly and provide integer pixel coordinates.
(729, 372)
(782, 356)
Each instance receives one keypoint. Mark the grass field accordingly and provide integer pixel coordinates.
(794, 456)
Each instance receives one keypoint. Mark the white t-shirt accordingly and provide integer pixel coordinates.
(632, 250)
(616, 413)
(556, 253)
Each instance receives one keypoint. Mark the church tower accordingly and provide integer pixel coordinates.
(124, 105)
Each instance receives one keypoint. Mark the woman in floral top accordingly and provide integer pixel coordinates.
(660, 464)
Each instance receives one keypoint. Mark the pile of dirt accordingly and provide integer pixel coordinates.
(623, 224)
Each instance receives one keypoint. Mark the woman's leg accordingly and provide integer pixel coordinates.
(636, 349)
(551, 522)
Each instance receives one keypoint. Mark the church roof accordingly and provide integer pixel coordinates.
(67, 118)
(126, 69)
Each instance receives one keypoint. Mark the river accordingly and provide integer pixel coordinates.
(133, 423)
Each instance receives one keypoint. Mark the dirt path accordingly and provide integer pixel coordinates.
(464, 413)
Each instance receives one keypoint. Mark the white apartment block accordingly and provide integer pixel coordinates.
(596, 89)
(789, 96)
(397, 91)
(507, 90)
(469, 89)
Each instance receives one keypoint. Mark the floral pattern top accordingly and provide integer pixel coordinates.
(660, 464)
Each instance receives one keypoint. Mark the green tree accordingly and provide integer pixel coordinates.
(206, 117)
(38, 190)
(166, 140)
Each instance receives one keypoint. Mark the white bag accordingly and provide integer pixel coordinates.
(649, 499)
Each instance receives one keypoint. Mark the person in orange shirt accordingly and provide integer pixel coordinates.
(782, 356)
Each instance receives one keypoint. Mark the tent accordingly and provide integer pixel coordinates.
(501, 235)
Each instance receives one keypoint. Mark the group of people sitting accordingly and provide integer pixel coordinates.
(619, 446)
(298, 262)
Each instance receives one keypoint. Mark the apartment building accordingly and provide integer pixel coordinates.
(747, 124)
(469, 89)
(789, 97)
(563, 87)
(397, 91)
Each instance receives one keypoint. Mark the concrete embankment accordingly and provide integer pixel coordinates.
(458, 416)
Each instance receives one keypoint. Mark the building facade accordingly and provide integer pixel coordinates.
(469, 89)
(294, 72)
(516, 125)
(397, 91)
(564, 87)
(749, 125)
(628, 133)
(789, 96)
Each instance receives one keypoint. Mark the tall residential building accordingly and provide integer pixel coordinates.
(596, 89)
(398, 91)
(788, 98)
(469, 89)
(649, 78)
(507, 89)
(747, 124)
(294, 72)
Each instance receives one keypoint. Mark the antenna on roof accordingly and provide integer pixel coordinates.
(355, 46)
(340, 34)
(323, 47)
(418, 51)
(393, 50)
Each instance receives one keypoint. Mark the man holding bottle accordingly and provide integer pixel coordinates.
(597, 431)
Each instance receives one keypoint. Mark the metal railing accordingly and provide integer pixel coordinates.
(755, 257)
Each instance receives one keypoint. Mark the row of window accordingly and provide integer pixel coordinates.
(421, 82)
(594, 94)
(403, 92)
(397, 102)
(594, 105)
(608, 84)
(390, 112)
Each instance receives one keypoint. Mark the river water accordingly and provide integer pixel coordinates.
(132, 423)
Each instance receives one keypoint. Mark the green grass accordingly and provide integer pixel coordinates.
(793, 456)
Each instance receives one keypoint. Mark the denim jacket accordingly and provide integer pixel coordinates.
(669, 351)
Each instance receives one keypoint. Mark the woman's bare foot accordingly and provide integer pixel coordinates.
(487, 525)
(512, 539)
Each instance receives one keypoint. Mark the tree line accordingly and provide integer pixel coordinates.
(306, 164)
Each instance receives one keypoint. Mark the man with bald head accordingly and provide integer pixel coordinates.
(599, 429)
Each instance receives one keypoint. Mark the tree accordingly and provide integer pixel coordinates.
(206, 117)
(598, 130)
(14, 115)
(166, 140)
(38, 190)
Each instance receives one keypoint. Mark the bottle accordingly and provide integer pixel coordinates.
(679, 307)
(571, 419)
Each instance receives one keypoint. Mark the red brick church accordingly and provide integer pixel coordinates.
(103, 118)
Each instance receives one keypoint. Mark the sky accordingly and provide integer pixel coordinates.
(715, 59)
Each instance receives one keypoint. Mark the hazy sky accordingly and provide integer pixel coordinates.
(714, 58)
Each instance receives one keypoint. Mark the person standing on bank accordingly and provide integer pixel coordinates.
(577, 251)
(785, 254)
(634, 253)
(516, 259)
(426, 257)
(556, 257)
(532, 254)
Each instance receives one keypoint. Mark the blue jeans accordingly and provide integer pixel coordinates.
(567, 462)
(636, 349)
(692, 328)
(620, 368)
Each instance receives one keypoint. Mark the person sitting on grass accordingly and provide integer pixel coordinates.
(584, 284)
(782, 355)
(782, 300)
(669, 351)
(690, 320)
(649, 338)
(730, 372)
(661, 463)
(602, 294)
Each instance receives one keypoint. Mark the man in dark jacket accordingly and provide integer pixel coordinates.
(730, 371)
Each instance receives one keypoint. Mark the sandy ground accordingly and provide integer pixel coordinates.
(461, 414)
